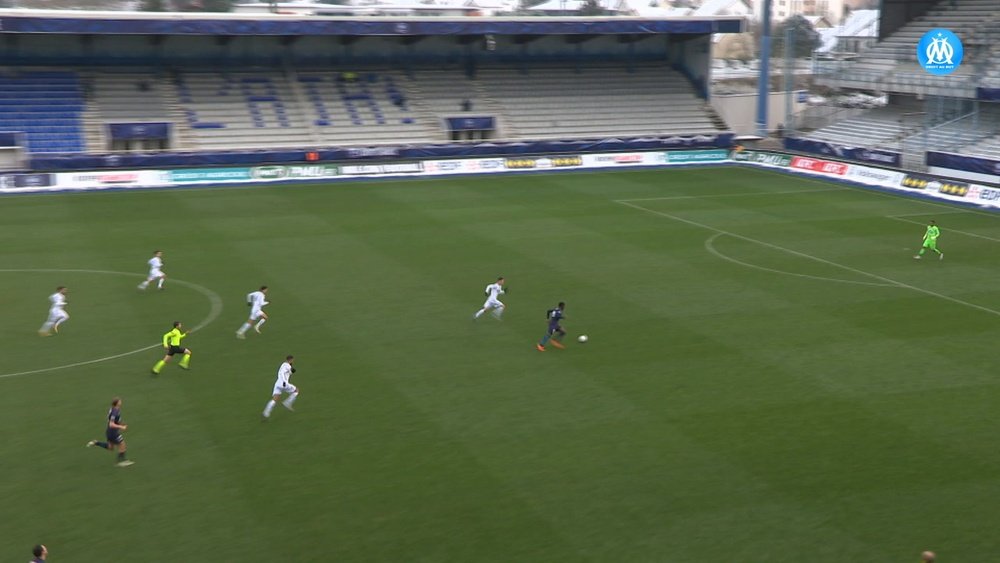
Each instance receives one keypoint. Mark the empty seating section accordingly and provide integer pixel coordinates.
(891, 63)
(950, 136)
(241, 110)
(966, 131)
(309, 108)
(880, 126)
(46, 106)
(904, 127)
(365, 107)
(990, 148)
(126, 97)
(991, 74)
(548, 103)
(448, 93)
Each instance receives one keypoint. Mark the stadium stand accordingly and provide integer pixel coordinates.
(990, 148)
(241, 110)
(991, 74)
(121, 97)
(891, 64)
(447, 93)
(906, 122)
(925, 112)
(235, 110)
(221, 110)
(46, 106)
(559, 102)
(966, 131)
(873, 128)
(356, 107)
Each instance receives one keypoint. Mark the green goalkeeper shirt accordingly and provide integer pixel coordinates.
(932, 232)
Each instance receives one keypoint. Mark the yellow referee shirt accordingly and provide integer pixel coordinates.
(173, 338)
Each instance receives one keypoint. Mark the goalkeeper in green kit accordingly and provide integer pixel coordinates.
(930, 241)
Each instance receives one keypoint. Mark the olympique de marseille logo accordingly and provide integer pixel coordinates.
(940, 51)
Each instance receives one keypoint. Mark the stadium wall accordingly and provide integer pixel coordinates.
(738, 110)
(894, 14)
(202, 51)
(67, 162)
(890, 180)
(691, 56)
(974, 168)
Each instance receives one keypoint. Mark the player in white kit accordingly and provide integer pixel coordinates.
(57, 313)
(493, 303)
(282, 385)
(256, 301)
(155, 271)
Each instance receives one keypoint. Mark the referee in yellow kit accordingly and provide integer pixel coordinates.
(172, 344)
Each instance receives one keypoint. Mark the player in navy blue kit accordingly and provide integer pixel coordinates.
(555, 332)
(114, 433)
(40, 552)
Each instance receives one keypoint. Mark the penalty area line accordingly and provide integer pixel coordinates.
(710, 246)
(815, 258)
(740, 194)
(966, 233)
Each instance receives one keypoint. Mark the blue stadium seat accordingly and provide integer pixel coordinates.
(46, 106)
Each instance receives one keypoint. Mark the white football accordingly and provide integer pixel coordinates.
(582, 338)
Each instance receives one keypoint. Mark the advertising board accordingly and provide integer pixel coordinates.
(208, 175)
(821, 166)
(684, 157)
(111, 179)
(762, 157)
(542, 162)
(382, 169)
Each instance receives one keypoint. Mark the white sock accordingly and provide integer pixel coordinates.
(269, 407)
(46, 327)
(480, 312)
(243, 328)
(259, 323)
(159, 284)
(291, 399)
(498, 312)
(144, 284)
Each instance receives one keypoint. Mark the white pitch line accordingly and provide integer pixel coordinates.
(214, 312)
(952, 212)
(710, 246)
(740, 194)
(816, 258)
(966, 233)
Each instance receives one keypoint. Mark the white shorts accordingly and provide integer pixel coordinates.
(155, 273)
(57, 315)
(256, 313)
(493, 304)
(280, 388)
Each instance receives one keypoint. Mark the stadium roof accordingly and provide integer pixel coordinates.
(861, 23)
(723, 7)
(175, 23)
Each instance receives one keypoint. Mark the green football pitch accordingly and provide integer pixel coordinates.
(770, 377)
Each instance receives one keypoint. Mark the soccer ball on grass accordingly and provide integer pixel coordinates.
(582, 338)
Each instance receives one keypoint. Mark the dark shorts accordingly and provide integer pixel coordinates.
(114, 437)
(175, 350)
(555, 328)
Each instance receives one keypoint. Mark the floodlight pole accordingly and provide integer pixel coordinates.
(789, 78)
(763, 82)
